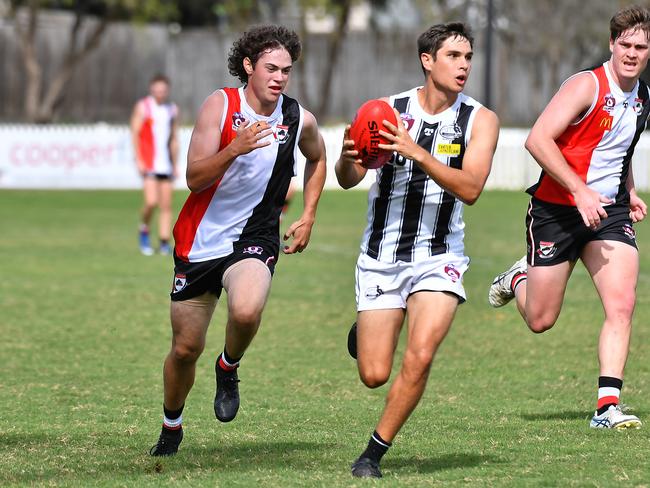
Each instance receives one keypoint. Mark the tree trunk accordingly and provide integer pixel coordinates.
(334, 51)
(39, 108)
(33, 70)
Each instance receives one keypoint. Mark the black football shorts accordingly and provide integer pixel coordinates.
(556, 233)
(194, 279)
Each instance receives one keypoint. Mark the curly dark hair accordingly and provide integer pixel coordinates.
(255, 42)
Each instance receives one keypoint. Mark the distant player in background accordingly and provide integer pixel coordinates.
(585, 204)
(241, 159)
(412, 257)
(155, 145)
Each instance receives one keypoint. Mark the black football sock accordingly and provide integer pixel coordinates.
(173, 419)
(226, 362)
(377, 447)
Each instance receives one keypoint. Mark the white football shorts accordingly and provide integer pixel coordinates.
(388, 285)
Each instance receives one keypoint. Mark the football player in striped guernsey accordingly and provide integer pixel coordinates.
(242, 156)
(585, 204)
(412, 258)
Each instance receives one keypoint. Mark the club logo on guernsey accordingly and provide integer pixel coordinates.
(253, 250)
(452, 272)
(609, 102)
(407, 120)
(237, 120)
(546, 249)
(638, 106)
(451, 132)
(180, 282)
(281, 133)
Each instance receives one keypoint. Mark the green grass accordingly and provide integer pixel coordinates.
(84, 326)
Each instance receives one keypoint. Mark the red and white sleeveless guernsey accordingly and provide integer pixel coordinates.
(600, 145)
(245, 204)
(153, 138)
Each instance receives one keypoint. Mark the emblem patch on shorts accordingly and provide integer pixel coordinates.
(180, 282)
(629, 232)
(452, 272)
(253, 250)
(374, 292)
(546, 249)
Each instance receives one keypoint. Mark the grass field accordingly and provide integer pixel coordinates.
(84, 327)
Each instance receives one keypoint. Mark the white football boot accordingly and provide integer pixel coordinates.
(614, 418)
(500, 291)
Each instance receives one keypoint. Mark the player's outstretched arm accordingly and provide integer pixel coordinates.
(570, 104)
(348, 169)
(312, 146)
(205, 163)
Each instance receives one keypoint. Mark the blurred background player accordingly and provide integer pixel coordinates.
(155, 143)
(241, 159)
(585, 203)
(412, 257)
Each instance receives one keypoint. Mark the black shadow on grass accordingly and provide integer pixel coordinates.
(440, 463)
(563, 415)
(253, 455)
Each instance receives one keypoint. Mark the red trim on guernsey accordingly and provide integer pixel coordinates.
(145, 143)
(608, 400)
(577, 145)
(197, 203)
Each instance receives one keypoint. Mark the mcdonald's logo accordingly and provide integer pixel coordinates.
(606, 123)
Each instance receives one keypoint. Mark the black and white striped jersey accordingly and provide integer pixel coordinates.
(410, 217)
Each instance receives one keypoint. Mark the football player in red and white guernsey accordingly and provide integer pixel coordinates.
(584, 205)
(242, 156)
(154, 128)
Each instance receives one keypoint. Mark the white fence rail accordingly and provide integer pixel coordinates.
(101, 157)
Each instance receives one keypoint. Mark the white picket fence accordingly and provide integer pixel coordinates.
(101, 157)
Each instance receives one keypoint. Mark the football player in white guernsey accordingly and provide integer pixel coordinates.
(412, 258)
(585, 204)
(241, 159)
(154, 133)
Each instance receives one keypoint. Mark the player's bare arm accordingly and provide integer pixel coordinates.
(205, 163)
(174, 145)
(348, 169)
(312, 146)
(465, 183)
(568, 105)
(638, 208)
(137, 119)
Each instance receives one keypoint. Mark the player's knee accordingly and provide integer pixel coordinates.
(186, 352)
(417, 363)
(540, 324)
(245, 315)
(374, 376)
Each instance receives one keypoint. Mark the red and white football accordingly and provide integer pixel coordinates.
(365, 132)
